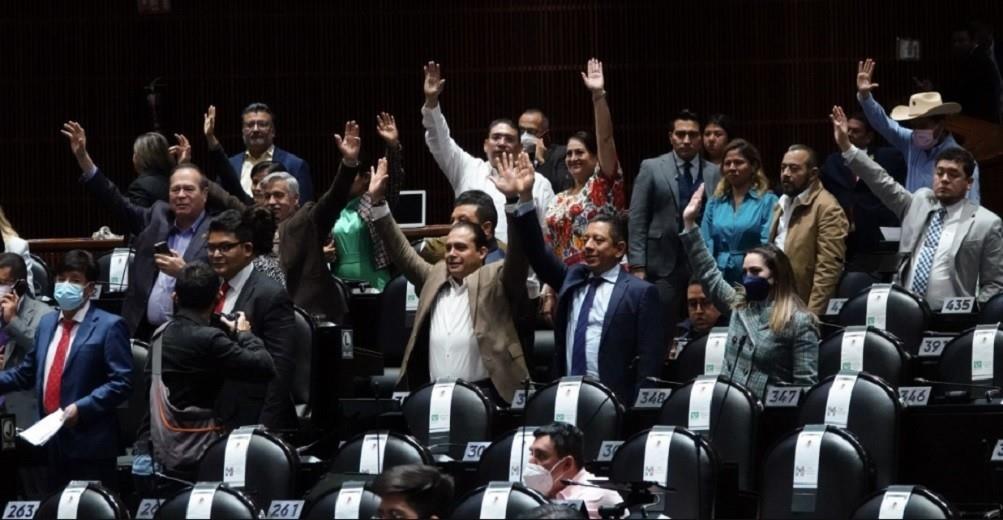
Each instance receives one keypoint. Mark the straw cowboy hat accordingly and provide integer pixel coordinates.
(924, 104)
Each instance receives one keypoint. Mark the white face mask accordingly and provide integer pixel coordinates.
(539, 478)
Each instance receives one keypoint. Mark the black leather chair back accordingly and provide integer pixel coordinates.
(883, 356)
(227, 504)
(131, 415)
(922, 503)
(270, 468)
(734, 438)
(393, 332)
(399, 450)
(323, 506)
(874, 416)
(690, 481)
(303, 354)
(94, 502)
(520, 500)
(955, 364)
(497, 460)
(992, 311)
(470, 418)
(845, 477)
(689, 364)
(42, 277)
(852, 282)
(599, 414)
(104, 272)
(907, 316)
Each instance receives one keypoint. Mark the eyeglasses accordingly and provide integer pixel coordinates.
(223, 247)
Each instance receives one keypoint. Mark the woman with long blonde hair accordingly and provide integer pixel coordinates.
(772, 337)
(13, 243)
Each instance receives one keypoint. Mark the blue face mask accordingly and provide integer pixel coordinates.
(756, 288)
(68, 295)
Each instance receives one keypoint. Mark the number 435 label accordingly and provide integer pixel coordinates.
(962, 305)
(20, 510)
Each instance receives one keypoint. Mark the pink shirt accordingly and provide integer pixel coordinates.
(594, 498)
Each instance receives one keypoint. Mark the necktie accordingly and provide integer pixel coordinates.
(578, 363)
(688, 171)
(55, 380)
(221, 298)
(924, 266)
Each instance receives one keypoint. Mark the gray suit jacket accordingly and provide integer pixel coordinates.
(655, 213)
(978, 243)
(21, 329)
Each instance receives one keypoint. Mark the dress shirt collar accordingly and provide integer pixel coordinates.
(191, 229)
(267, 156)
(786, 201)
(238, 280)
(78, 316)
(611, 275)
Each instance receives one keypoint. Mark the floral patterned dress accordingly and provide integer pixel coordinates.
(569, 213)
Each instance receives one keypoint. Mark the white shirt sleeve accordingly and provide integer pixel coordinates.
(543, 194)
(456, 163)
(380, 211)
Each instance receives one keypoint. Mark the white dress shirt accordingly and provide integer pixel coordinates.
(466, 172)
(787, 204)
(248, 165)
(236, 285)
(940, 287)
(452, 346)
(50, 354)
(597, 315)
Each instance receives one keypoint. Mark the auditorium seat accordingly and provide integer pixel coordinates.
(227, 504)
(392, 336)
(852, 282)
(520, 500)
(500, 462)
(360, 458)
(470, 416)
(303, 346)
(734, 438)
(270, 466)
(42, 278)
(689, 364)
(598, 413)
(326, 505)
(907, 316)
(873, 415)
(882, 355)
(131, 413)
(93, 501)
(905, 502)
(845, 477)
(104, 272)
(690, 481)
(992, 311)
(956, 362)
(544, 348)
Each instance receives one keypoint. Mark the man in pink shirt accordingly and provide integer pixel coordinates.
(558, 454)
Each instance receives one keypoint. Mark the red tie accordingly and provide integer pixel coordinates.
(221, 298)
(55, 379)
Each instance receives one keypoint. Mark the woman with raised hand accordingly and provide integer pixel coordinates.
(772, 337)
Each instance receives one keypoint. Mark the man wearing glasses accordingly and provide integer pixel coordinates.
(258, 131)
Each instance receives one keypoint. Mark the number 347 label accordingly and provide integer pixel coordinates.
(20, 509)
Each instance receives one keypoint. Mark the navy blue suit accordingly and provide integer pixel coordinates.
(632, 346)
(294, 165)
(97, 376)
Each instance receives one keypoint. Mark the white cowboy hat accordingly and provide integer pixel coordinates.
(924, 104)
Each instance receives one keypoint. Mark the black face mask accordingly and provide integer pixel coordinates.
(756, 288)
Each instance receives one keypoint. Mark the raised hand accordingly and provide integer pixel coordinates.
(386, 125)
(378, 181)
(350, 144)
(433, 84)
(78, 144)
(182, 152)
(865, 75)
(692, 211)
(593, 77)
(209, 127)
(839, 128)
(515, 176)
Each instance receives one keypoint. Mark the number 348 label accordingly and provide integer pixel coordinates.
(20, 510)
(651, 397)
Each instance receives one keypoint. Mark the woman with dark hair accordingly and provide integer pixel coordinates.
(597, 180)
(773, 337)
(738, 215)
(717, 132)
(263, 224)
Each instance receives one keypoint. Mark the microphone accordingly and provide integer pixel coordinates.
(616, 486)
(991, 390)
(834, 326)
(527, 382)
(660, 381)
(172, 479)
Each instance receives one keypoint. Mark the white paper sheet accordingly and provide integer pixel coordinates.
(40, 433)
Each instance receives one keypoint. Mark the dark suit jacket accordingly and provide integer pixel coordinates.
(294, 165)
(655, 214)
(632, 346)
(97, 377)
(150, 225)
(270, 311)
(555, 169)
(148, 188)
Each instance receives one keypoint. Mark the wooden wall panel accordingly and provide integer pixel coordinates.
(776, 66)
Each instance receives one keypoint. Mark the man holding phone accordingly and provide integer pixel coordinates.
(19, 317)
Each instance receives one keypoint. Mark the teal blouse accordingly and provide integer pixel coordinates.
(729, 233)
(355, 249)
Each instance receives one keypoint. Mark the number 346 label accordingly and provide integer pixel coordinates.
(20, 510)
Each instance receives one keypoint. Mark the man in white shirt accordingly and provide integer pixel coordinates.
(952, 246)
(464, 171)
(464, 325)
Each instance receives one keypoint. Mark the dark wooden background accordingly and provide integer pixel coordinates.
(776, 66)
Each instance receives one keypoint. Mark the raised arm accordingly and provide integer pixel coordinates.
(595, 81)
(452, 160)
(219, 162)
(893, 132)
(330, 204)
(414, 268)
(892, 194)
(701, 263)
(386, 126)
